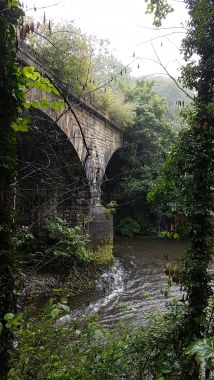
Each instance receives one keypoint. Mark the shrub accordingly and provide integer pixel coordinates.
(84, 350)
(129, 227)
(55, 246)
(67, 242)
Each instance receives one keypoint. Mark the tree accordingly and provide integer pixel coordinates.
(147, 145)
(10, 98)
(76, 60)
(14, 81)
(176, 100)
(188, 174)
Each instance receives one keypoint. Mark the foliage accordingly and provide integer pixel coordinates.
(106, 66)
(67, 53)
(128, 227)
(160, 9)
(176, 100)
(147, 144)
(170, 235)
(55, 246)
(28, 78)
(197, 74)
(78, 66)
(67, 242)
(187, 178)
(183, 189)
(152, 134)
(51, 349)
(111, 207)
(115, 104)
(11, 98)
(21, 237)
(14, 81)
(56, 354)
(203, 350)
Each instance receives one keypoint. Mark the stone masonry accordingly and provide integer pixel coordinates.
(95, 142)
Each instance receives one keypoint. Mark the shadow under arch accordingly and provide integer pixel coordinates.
(112, 176)
(51, 178)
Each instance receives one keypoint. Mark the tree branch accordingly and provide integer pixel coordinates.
(170, 76)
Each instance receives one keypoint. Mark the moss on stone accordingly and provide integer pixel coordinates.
(104, 253)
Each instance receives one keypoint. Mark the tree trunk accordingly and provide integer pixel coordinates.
(8, 113)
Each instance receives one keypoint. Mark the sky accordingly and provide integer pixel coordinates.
(127, 27)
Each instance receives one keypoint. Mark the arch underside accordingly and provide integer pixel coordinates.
(51, 177)
(112, 176)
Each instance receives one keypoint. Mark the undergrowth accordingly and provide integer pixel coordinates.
(48, 348)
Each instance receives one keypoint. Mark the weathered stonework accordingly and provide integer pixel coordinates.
(101, 229)
(102, 139)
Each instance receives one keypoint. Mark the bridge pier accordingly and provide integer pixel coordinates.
(100, 227)
(101, 233)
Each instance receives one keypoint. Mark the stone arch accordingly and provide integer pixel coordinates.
(94, 137)
(51, 175)
(101, 135)
(112, 170)
(65, 121)
(109, 159)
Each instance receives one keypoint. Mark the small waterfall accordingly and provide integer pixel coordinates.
(111, 284)
(133, 286)
(112, 279)
(108, 287)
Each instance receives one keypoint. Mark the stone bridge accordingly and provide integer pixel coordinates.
(92, 134)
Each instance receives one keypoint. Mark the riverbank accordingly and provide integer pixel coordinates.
(80, 279)
(121, 330)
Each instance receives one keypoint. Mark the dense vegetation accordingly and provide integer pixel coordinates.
(84, 349)
(85, 65)
(174, 346)
(147, 145)
(188, 174)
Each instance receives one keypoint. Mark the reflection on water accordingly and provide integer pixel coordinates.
(134, 284)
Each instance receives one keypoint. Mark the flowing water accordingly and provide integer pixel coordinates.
(134, 284)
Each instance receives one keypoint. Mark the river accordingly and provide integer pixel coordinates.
(134, 284)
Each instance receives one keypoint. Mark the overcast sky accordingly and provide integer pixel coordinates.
(125, 24)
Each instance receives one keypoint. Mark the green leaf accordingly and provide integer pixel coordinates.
(169, 235)
(99, 334)
(35, 104)
(64, 307)
(13, 3)
(28, 71)
(176, 236)
(203, 349)
(27, 105)
(9, 316)
(163, 233)
(21, 124)
(58, 105)
(44, 103)
(55, 313)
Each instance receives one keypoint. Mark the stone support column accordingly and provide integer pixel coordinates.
(101, 232)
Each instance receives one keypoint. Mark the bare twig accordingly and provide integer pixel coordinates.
(170, 76)
(157, 37)
(38, 8)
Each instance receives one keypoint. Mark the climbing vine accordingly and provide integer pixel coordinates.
(11, 97)
(187, 180)
(14, 81)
